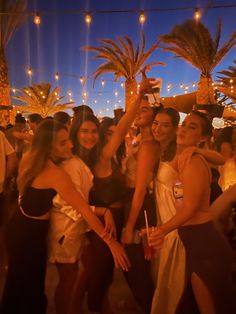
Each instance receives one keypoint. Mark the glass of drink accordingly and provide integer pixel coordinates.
(149, 251)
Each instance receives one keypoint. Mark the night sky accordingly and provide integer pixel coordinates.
(54, 46)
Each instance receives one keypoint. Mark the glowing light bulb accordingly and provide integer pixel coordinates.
(116, 93)
(142, 17)
(231, 81)
(131, 93)
(122, 84)
(197, 14)
(103, 82)
(85, 94)
(88, 18)
(37, 19)
(57, 76)
(29, 71)
(14, 90)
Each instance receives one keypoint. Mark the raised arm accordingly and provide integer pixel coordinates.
(124, 124)
(148, 157)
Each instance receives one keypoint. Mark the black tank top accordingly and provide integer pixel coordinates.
(37, 202)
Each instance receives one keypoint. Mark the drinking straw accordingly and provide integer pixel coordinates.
(146, 222)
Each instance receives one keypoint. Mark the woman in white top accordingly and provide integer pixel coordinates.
(171, 263)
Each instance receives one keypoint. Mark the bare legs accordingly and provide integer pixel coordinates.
(63, 294)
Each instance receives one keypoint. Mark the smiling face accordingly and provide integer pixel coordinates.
(144, 116)
(61, 146)
(87, 135)
(190, 133)
(163, 129)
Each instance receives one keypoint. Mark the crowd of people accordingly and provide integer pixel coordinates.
(82, 192)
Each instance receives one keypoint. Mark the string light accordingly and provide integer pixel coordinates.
(88, 18)
(142, 17)
(116, 93)
(131, 93)
(57, 76)
(103, 82)
(37, 19)
(55, 93)
(29, 71)
(231, 81)
(122, 84)
(197, 14)
(69, 93)
(81, 79)
(85, 94)
(14, 90)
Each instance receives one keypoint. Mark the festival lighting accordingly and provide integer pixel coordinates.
(37, 19)
(57, 76)
(88, 18)
(142, 18)
(29, 71)
(197, 14)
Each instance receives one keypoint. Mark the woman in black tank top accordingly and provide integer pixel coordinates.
(39, 180)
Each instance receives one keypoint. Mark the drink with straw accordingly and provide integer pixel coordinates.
(149, 251)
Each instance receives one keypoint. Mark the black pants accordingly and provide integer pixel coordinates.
(101, 272)
(27, 256)
(139, 276)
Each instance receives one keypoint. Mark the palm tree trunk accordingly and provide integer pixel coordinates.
(130, 92)
(4, 82)
(205, 92)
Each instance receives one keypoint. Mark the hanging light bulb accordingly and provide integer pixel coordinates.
(85, 94)
(193, 85)
(37, 19)
(88, 18)
(197, 14)
(181, 85)
(14, 90)
(122, 84)
(103, 82)
(57, 76)
(231, 81)
(29, 71)
(142, 17)
(81, 79)
(116, 93)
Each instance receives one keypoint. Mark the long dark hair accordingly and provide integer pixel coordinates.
(35, 160)
(89, 157)
(170, 151)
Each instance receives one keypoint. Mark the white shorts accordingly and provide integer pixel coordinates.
(67, 238)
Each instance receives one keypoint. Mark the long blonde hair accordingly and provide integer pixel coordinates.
(35, 160)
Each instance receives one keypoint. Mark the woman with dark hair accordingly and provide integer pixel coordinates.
(63, 118)
(109, 191)
(39, 180)
(207, 286)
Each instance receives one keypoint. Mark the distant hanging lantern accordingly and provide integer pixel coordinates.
(88, 18)
(142, 17)
(57, 76)
(197, 14)
(37, 19)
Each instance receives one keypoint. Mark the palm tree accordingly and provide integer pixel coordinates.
(12, 15)
(39, 98)
(123, 60)
(227, 83)
(193, 42)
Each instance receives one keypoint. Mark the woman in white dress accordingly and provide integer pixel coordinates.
(171, 262)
